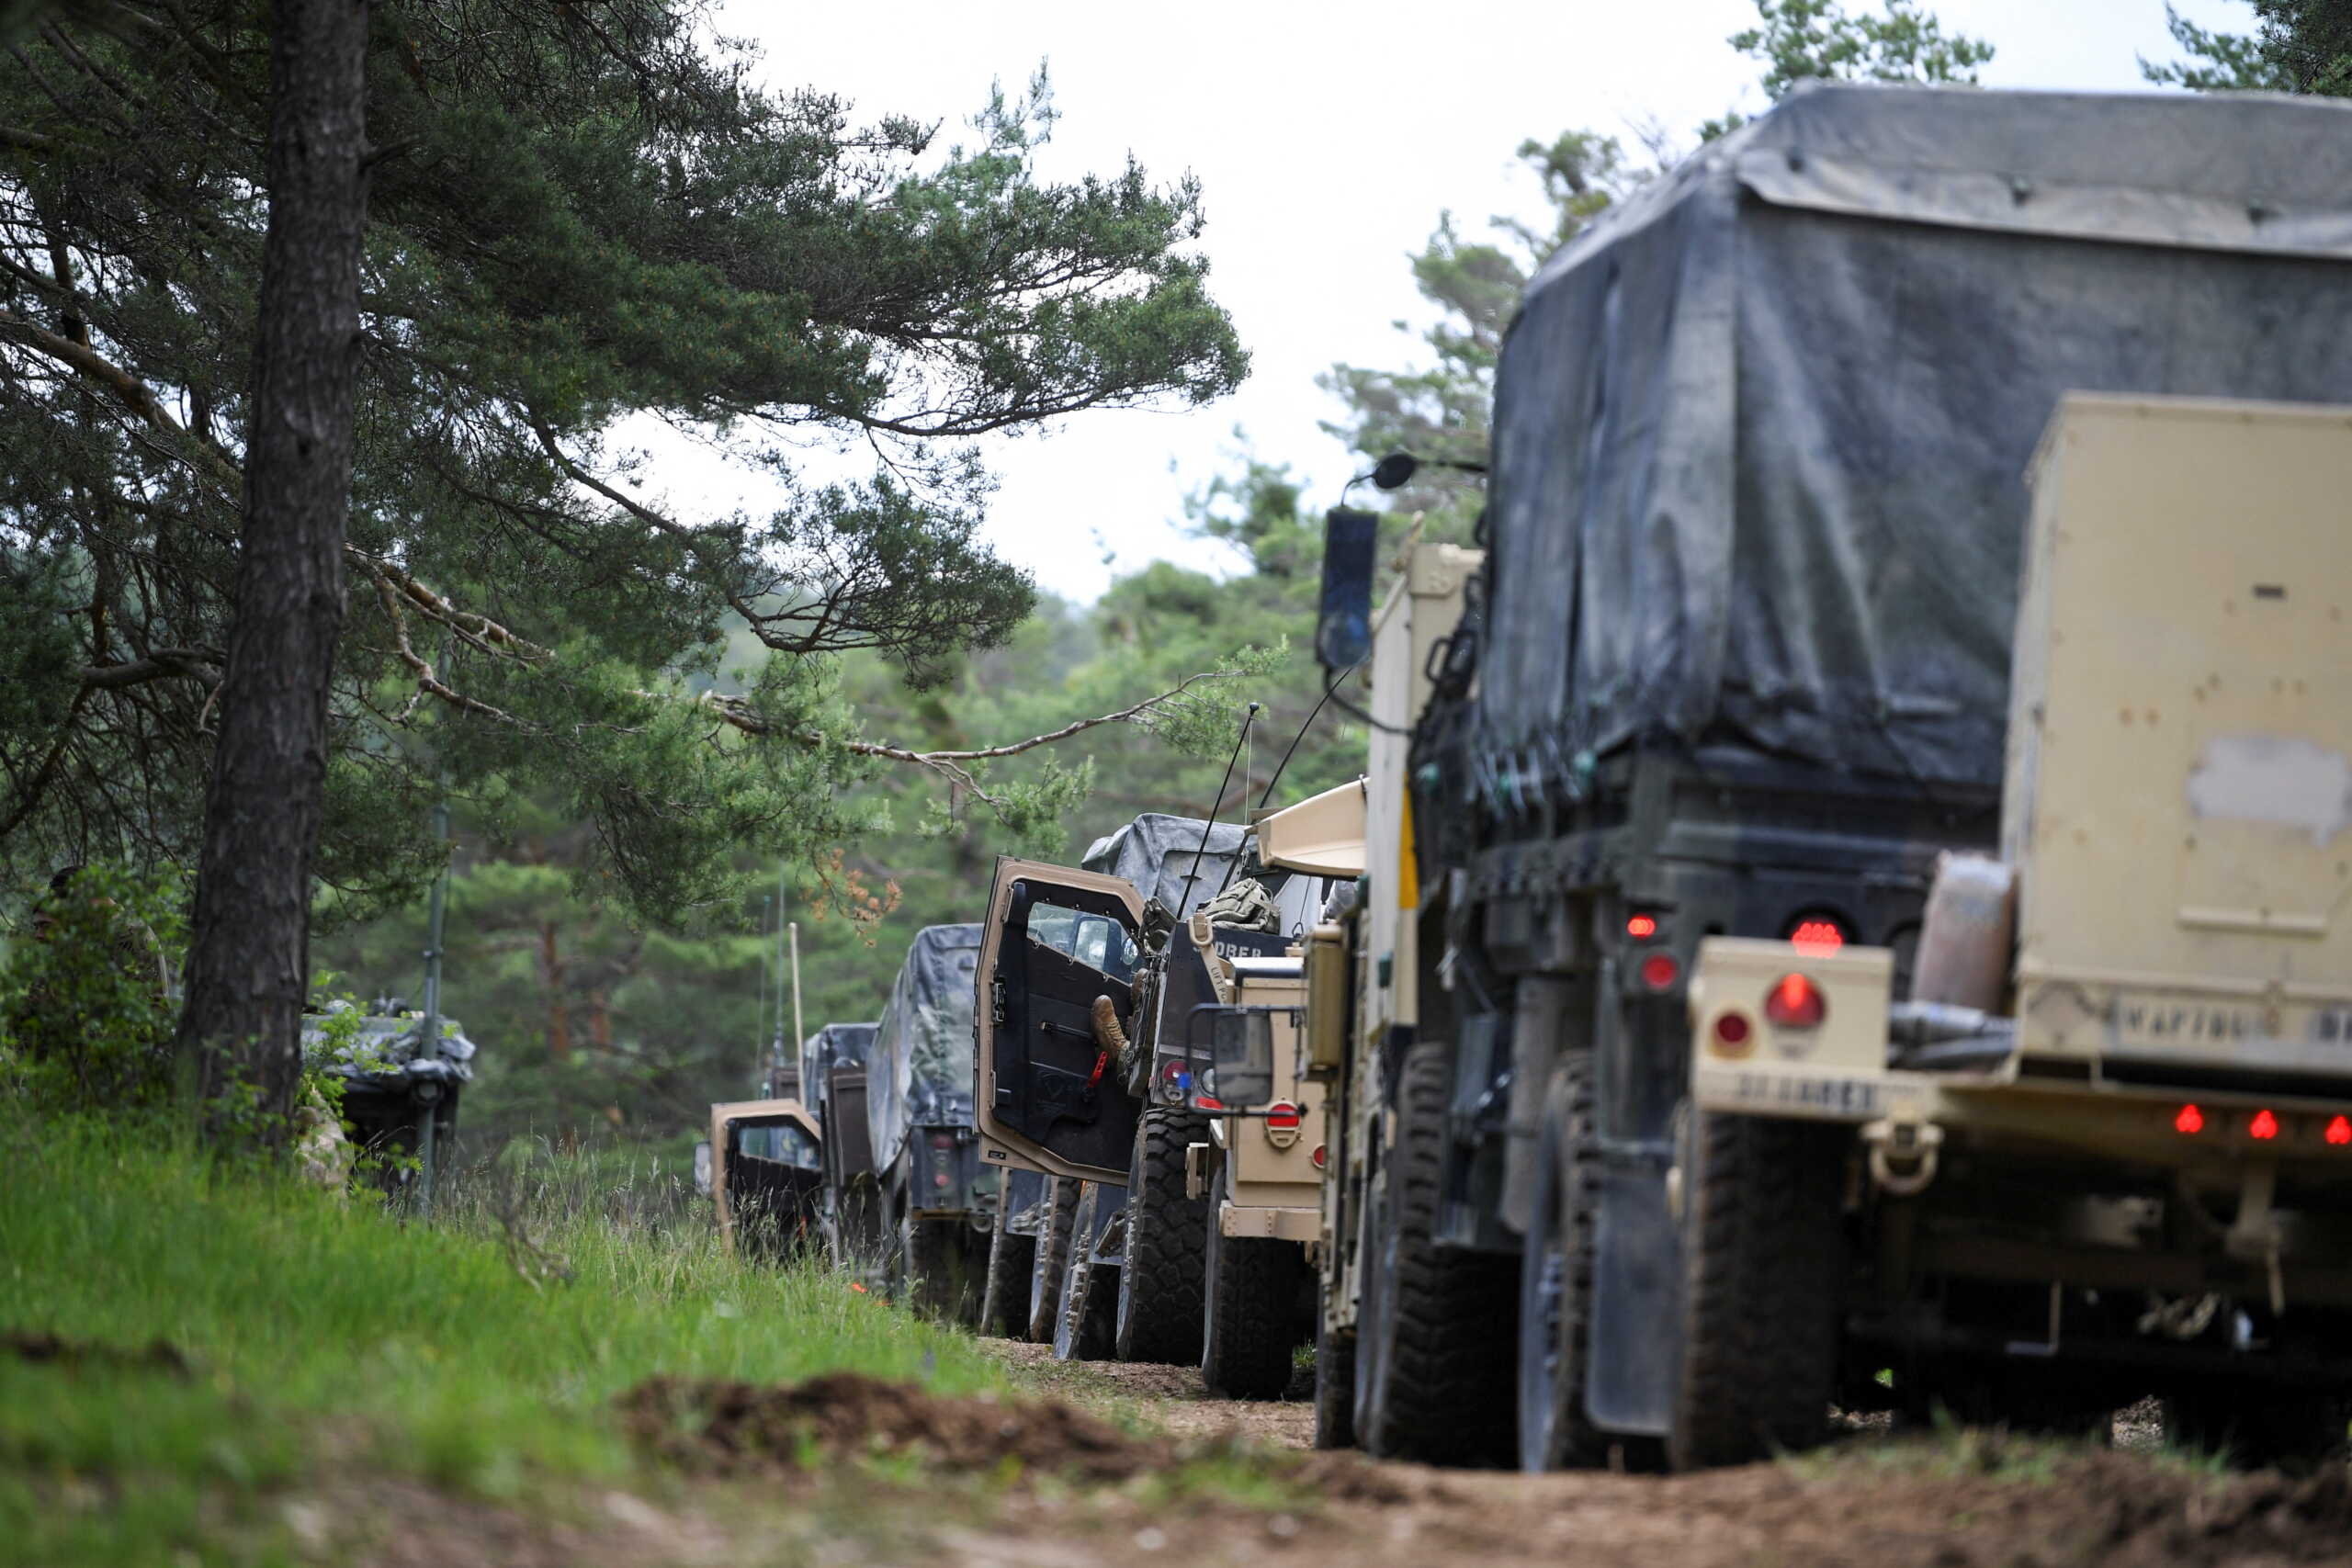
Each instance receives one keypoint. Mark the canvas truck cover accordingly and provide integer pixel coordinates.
(1155, 852)
(835, 1045)
(1762, 433)
(919, 1067)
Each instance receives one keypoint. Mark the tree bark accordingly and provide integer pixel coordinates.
(249, 959)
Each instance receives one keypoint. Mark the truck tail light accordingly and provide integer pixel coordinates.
(1732, 1032)
(1317, 1156)
(2189, 1121)
(1283, 1116)
(1795, 1002)
(1660, 971)
(2264, 1126)
(1816, 934)
(2339, 1132)
(1641, 928)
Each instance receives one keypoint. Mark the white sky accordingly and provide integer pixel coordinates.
(1328, 139)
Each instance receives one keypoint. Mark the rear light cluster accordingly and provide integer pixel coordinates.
(1795, 1002)
(1174, 1081)
(1816, 935)
(1283, 1116)
(2262, 1126)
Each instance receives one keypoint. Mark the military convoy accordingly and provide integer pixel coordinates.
(1849, 879)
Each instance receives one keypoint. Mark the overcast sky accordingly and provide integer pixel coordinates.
(1328, 139)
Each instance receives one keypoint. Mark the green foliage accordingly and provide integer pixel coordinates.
(1802, 40)
(328, 1342)
(585, 218)
(2298, 46)
(85, 1014)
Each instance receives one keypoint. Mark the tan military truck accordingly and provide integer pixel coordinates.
(767, 1177)
(2104, 1148)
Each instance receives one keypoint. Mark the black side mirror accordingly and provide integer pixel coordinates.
(1343, 627)
(1392, 471)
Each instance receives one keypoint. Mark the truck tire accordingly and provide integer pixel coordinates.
(1005, 1299)
(1086, 1322)
(1160, 1283)
(1763, 1278)
(1049, 1260)
(1335, 1387)
(1437, 1350)
(1555, 1281)
(1247, 1328)
(935, 1276)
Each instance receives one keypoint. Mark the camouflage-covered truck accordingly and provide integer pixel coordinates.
(936, 1207)
(1737, 666)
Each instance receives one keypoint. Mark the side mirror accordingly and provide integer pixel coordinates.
(1240, 1055)
(1344, 626)
(701, 1168)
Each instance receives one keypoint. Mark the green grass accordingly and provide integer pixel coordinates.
(330, 1342)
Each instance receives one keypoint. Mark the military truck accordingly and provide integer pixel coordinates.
(1737, 666)
(400, 1096)
(766, 1178)
(2104, 1148)
(937, 1209)
(829, 1079)
(1084, 1081)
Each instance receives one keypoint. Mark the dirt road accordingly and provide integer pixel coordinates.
(1953, 1499)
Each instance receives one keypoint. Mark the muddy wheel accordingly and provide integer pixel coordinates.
(1555, 1281)
(2256, 1426)
(1086, 1319)
(1005, 1299)
(1049, 1257)
(1160, 1282)
(1763, 1259)
(1251, 1298)
(935, 1275)
(1335, 1387)
(1436, 1350)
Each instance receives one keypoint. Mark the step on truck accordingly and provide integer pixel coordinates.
(1736, 668)
(1083, 1079)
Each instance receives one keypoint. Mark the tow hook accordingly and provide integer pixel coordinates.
(1902, 1153)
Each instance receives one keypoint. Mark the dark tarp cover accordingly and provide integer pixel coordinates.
(835, 1045)
(919, 1067)
(1154, 853)
(1762, 433)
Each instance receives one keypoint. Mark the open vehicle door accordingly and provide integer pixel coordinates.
(1056, 946)
(766, 1174)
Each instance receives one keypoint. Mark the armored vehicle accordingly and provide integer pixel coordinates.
(1737, 665)
(400, 1096)
(1086, 1076)
(928, 1184)
(767, 1176)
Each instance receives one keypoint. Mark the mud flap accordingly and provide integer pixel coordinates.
(1637, 1344)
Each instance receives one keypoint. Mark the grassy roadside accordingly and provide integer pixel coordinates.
(326, 1342)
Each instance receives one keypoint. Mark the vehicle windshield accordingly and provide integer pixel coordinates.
(1096, 941)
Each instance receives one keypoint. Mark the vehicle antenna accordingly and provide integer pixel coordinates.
(1235, 864)
(1210, 826)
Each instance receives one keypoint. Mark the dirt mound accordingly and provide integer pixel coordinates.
(714, 1425)
(162, 1355)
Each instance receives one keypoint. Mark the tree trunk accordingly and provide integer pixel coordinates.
(249, 959)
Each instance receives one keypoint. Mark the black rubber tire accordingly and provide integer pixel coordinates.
(936, 1275)
(1249, 1322)
(1049, 1259)
(1086, 1317)
(1555, 1281)
(1763, 1280)
(1335, 1388)
(1437, 1348)
(1005, 1298)
(1160, 1283)
(2257, 1427)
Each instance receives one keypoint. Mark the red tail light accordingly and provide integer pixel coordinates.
(2264, 1126)
(2339, 1132)
(2190, 1120)
(1317, 1156)
(1660, 971)
(1795, 1002)
(1817, 934)
(1731, 1031)
(1283, 1116)
(1210, 1102)
(1641, 928)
